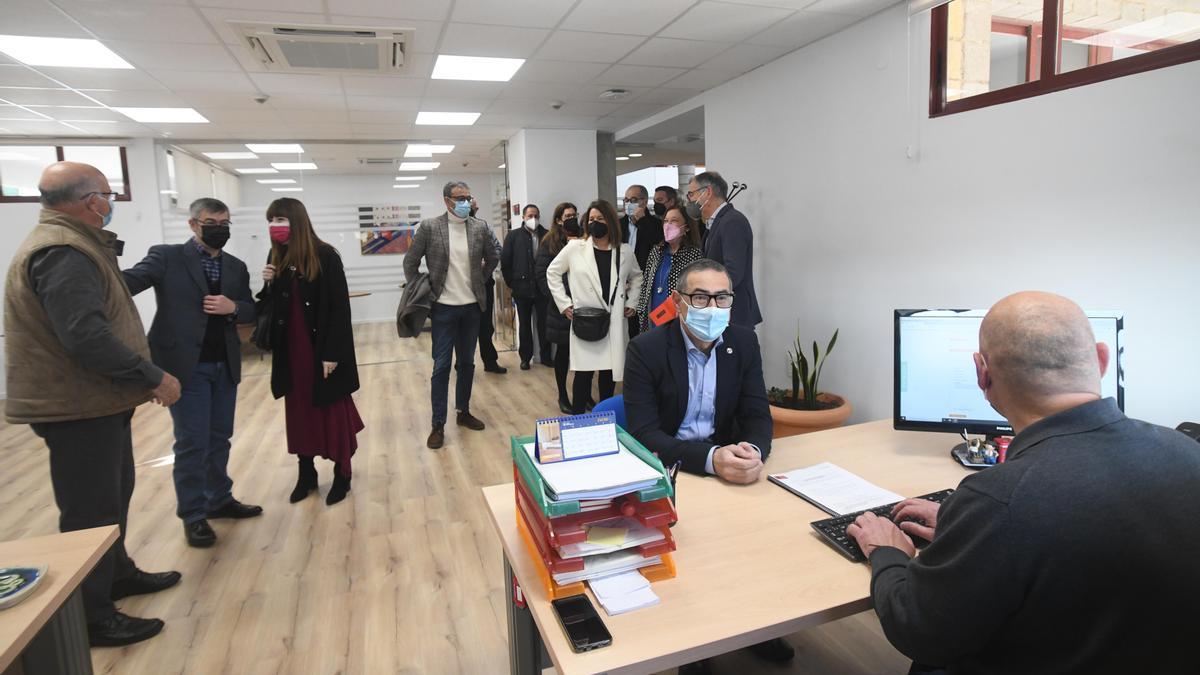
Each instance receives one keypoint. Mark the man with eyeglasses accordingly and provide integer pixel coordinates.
(458, 250)
(695, 396)
(730, 241)
(77, 365)
(203, 293)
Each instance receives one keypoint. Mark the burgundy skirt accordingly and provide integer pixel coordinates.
(327, 431)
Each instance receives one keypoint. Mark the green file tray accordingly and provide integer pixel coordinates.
(537, 487)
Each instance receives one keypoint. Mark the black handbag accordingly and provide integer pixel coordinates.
(264, 323)
(590, 324)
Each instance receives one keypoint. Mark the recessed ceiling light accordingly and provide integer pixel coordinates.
(481, 68)
(257, 170)
(274, 148)
(622, 159)
(287, 189)
(294, 166)
(62, 52)
(462, 119)
(635, 154)
(418, 166)
(276, 181)
(426, 150)
(231, 155)
(163, 115)
(406, 185)
(411, 177)
(502, 166)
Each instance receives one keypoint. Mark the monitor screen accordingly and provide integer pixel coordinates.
(935, 383)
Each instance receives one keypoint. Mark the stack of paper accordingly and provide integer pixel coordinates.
(623, 592)
(614, 534)
(833, 489)
(607, 564)
(601, 477)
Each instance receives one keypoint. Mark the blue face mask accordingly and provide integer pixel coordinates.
(631, 208)
(462, 209)
(707, 324)
(108, 216)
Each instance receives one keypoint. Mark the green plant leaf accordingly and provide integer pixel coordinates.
(832, 342)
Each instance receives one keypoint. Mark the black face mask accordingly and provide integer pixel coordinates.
(215, 236)
(598, 229)
(572, 228)
(660, 210)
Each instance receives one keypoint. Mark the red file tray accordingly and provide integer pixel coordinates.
(557, 564)
(572, 529)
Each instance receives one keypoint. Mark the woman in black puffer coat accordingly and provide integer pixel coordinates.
(564, 228)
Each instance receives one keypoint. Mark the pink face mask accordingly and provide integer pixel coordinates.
(281, 234)
(672, 232)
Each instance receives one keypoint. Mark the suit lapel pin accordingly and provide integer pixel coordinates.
(729, 350)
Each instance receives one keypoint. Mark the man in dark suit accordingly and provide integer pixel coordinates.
(516, 264)
(202, 294)
(730, 241)
(641, 230)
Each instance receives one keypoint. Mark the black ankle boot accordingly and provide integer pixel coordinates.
(307, 482)
(341, 485)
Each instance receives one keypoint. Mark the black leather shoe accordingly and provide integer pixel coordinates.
(437, 437)
(524, 365)
(494, 368)
(199, 534)
(236, 509)
(341, 485)
(564, 407)
(775, 651)
(466, 419)
(141, 583)
(120, 629)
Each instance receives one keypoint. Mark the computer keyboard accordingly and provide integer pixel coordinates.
(834, 529)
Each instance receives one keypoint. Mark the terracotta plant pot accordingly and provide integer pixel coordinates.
(790, 422)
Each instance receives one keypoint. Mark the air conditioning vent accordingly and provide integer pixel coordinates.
(376, 161)
(325, 49)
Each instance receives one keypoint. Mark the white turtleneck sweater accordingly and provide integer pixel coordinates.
(458, 289)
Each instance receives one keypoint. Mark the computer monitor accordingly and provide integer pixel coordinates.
(935, 383)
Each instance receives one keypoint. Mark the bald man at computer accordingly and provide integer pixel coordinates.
(1078, 554)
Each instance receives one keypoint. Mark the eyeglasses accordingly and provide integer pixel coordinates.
(697, 190)
(209, 222)
(110, 196)
(702, 300)
(468, 198)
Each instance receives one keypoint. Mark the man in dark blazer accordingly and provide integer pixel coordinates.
(516, 264)
(730, 241)
(458, 251)
(202, 294)
(641, 229)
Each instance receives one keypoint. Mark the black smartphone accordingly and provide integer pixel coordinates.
(582, 624)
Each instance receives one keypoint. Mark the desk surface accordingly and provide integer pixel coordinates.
(70, 556)
(750, 567)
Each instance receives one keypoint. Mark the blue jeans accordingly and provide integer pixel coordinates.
(455, 332)
(203, 426)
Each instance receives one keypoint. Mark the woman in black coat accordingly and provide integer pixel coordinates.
(312, 364)
(564, 227)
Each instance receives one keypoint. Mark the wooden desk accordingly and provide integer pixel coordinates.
(49, 625)
(750, 567)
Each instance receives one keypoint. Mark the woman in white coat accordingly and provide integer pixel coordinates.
(594, 269)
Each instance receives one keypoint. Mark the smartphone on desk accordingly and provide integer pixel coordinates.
(581, 623)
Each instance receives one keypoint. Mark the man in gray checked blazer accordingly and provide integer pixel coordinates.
(458, 253)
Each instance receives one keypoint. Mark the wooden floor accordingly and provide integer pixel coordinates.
(402, 577)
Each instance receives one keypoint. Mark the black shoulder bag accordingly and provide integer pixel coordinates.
(590, 324)
(264, 322)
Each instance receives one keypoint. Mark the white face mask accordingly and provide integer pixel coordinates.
(531, 223)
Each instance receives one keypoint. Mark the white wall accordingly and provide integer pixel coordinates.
(1090, 192)
(548, 166)
(650, 178)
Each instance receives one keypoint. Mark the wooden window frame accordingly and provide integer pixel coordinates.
(125, 196)
(1101, 67)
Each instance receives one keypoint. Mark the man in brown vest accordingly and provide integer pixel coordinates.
(78, 364)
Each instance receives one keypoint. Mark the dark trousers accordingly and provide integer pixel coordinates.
(455, 331)
(581, 388)
(487, 327)
(562, 363)
(91, 470)
(531, 314)
(635, 324)
(203, 426)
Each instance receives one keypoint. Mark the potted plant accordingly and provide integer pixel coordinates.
(805, 408)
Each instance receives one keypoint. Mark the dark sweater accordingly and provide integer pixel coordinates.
(1078, 555)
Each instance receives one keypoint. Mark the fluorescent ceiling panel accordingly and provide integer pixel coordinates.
(406, 185)
(61, 52)
(479, 68)
(163, 115)
(257, 170)
(411, 177)
(419, 166)
(461, 119)
(294, 166)
(276, 181)
(426, 150)
(295, 189)
(231, 155)
(275, 148)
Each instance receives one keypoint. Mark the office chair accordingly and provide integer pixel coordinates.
(616, 404)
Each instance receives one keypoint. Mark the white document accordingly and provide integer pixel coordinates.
(601, 477)
(636, 535)
(606, 565)
(623, 593)
(833, 489)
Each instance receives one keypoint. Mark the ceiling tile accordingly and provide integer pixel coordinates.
(803, 28)
(395, 116)
(103, 78)
(308, 101)
(856, 7)
(626, 17)
(38, 18)
(534, 13)
(228, 116)
(266, 5)
(175, 56)
(44, 97)
(381, 85)
(565, 45)
(426, 34)
(640, 110)
(140, 99)
(20, 76)
(382, 104)
(566, 72)
(427, 10)
(703, 78)
(745, 57)
(304, 115)
(220, 17)
(464, 89)
(667, 96)
(397, 130)
(720, 22)
(297, 83)
(468, 39)
(592, 92)
(675, 53)
(149, 21)
(454, 104)
(12, 112)
(200, 81)
(637, 76)
(542, 92)
(91, 114)
(219, 99)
